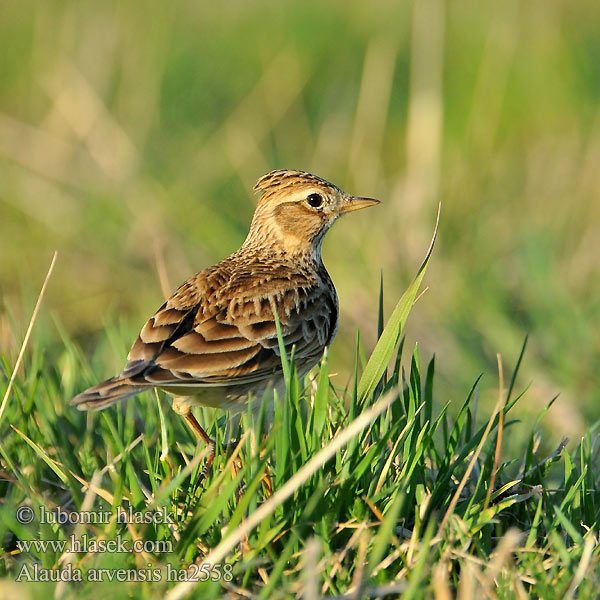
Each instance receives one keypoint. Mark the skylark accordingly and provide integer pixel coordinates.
(214, 341)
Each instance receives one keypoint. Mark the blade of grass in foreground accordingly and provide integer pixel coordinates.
(27, 334)
(44, 456)
(267, 508)
(388, 341)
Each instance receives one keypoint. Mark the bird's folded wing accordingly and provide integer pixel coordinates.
(236, 345)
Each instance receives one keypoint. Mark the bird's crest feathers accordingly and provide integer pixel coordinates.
(280, 180)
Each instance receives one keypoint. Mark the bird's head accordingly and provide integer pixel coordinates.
(296, 209)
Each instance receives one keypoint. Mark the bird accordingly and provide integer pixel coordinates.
(214, 342)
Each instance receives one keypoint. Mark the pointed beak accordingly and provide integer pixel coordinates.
(352, 203)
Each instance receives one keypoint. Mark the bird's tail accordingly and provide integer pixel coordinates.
(106, 393)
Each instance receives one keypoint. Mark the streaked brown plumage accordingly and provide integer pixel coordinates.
(214, 341)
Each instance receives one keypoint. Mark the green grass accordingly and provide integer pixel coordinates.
(130, 137)
(376, 490)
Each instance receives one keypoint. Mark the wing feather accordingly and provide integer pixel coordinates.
(218, 329)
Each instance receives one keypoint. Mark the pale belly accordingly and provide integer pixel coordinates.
(233, 398)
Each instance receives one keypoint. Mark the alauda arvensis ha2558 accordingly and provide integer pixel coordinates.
(214, 341)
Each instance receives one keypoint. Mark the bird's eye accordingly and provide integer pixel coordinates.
(315, 200)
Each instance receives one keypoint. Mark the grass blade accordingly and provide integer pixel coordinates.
(388, 341)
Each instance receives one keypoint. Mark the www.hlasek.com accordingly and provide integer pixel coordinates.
(84, 544)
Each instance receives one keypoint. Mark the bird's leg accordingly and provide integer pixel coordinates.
(232, 425)
(181, 407)
(202, 435)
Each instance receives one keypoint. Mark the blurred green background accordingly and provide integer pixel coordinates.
(131, 134)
